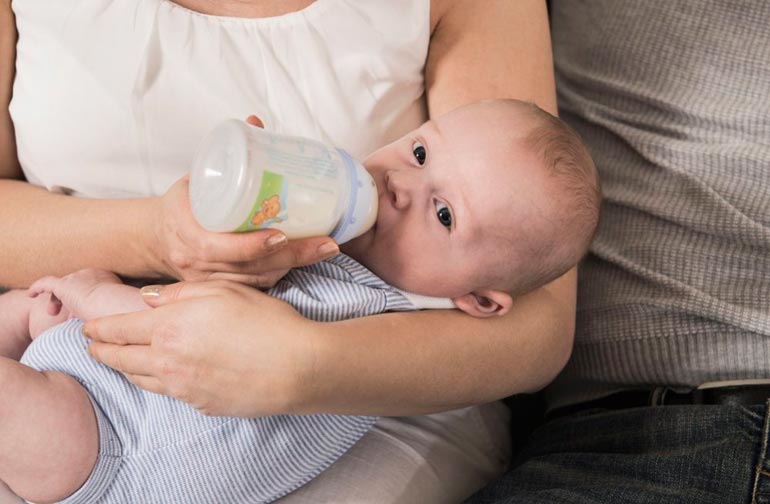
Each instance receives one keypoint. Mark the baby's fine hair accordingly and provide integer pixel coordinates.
(576, 181)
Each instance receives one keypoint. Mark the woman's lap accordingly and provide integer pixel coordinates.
(433, 458)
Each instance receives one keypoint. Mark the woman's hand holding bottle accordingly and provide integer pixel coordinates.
(180, 248)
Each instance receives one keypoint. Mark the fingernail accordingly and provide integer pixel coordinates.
(151, 290)
(275, 241)
(328, 249)
(84, 331)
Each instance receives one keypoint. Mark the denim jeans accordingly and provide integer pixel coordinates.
(668, 454)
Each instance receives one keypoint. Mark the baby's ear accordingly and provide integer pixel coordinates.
(484, 303)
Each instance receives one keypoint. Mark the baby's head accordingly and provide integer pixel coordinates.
(480, 205)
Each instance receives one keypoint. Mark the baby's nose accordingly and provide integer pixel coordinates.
(399, 189)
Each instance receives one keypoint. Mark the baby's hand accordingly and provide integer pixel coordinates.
(73, 292)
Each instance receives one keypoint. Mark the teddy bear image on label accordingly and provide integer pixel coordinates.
(270, 208)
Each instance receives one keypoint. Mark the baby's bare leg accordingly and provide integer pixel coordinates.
(48, 433)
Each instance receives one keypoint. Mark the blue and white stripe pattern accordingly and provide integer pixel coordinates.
(154, 449)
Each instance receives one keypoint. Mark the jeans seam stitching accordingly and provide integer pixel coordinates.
(758, 469)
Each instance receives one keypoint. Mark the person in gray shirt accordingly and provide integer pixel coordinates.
(665, 397)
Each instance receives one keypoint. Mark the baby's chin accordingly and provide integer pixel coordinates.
(358, 247)
(364, 250)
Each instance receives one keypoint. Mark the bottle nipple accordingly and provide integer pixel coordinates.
(362, 204)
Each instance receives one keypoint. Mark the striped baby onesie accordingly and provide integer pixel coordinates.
(154, 449)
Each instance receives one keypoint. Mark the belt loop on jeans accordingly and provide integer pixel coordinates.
(658, 396)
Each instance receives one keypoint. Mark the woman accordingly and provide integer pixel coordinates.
(137, 83)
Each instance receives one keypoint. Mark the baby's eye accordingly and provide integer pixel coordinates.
(443, 214)
(419, 152)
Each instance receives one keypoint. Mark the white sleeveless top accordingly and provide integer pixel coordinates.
(112, 97)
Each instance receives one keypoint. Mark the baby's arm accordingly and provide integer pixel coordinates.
(89, 294)
(15, 307)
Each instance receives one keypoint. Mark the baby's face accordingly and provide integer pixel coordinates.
(450, 194)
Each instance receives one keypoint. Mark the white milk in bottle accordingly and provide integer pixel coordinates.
(245, 178)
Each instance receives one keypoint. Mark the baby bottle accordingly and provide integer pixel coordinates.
(245, 178)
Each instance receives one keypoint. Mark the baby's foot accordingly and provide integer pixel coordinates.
(15, 307)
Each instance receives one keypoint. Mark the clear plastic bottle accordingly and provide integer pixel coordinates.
(245, 178)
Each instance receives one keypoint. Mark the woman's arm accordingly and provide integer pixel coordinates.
(51, 234)
(432, 361)
(259, 357)
(9, 166)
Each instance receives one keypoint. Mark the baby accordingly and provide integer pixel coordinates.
(481, 205)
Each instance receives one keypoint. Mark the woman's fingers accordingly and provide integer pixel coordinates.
(297, 253)
(148, 383)
(240, 247)
(187, 251)
(128, 359)
(263, 250)
(224, 364)
(260, 281)
(159, 295)
(124, 329)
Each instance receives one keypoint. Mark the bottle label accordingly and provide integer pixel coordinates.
(270, 206)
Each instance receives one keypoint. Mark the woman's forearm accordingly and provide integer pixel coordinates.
(53, 234)
(436, 360)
